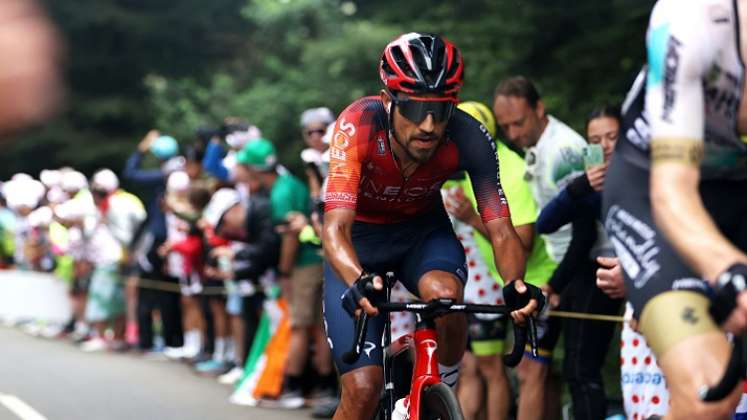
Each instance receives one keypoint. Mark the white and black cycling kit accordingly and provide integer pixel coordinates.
(690, 90)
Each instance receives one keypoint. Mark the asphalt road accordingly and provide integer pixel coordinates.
(58, 381)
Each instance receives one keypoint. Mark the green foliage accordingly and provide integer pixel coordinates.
(180, 64)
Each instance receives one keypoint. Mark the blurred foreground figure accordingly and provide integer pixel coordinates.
(29, 80)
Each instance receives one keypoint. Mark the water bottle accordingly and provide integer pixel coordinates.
(400, 409)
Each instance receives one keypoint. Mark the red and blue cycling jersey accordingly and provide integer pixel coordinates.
(364, 176)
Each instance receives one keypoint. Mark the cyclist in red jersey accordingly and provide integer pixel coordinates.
(389, 155)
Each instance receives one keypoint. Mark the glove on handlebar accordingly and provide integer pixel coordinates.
(361, 288)
(728, 287)
(515, 300)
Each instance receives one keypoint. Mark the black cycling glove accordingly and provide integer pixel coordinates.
(362, 288)
(515, 300)
(728, 286)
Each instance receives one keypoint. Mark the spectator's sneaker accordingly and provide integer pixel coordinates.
(93, 345)
(233, 376)
(213, 367)
(199, 358)
(52, 331)
(243, 398)
(33, 329)
(174, 353)
(291, 400)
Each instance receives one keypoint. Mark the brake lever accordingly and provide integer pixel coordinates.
(361, 327)
(533, 336)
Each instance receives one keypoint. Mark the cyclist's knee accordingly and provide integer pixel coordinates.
(361, 387)
(440, 285)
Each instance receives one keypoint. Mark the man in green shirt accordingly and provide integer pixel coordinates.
(299, 268)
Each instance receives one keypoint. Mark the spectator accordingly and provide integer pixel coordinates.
(253, 252)
(299, 270)
(219, 163)
(152, 236)
(118, 217)
(586, 342)
(553, 156)
(314, 123)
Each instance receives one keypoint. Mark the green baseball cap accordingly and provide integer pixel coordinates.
(259, 154)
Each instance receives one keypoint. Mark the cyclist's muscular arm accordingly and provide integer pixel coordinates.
(347, 151)
(675, 105)
(510, 255)
(338, 244)
(679, 212)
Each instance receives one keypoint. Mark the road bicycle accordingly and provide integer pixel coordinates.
(411, 362)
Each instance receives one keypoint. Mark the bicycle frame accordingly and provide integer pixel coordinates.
(424, 342)
(425, 372)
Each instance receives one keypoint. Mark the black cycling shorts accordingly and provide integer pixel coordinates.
(409, 250)
(650, 264)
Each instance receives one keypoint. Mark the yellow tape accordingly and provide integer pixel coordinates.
(582, 315)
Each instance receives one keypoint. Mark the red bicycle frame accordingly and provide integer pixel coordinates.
(425, 371)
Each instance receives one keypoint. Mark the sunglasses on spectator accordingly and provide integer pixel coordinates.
(319, 131)
(416, 109)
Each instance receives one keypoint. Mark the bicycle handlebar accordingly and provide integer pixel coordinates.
(439, 307)
(735, 371)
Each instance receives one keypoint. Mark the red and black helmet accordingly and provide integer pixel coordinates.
(422, 63)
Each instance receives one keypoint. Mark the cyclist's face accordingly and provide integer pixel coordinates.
(604, 131)
(521, 124)
(420, 140)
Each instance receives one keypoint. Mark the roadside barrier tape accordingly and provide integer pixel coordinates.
(586, 316)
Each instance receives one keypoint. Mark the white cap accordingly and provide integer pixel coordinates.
(21, 177)
(40, 217)
(50, 177)
(317, 115)
(177, 182)
(74, 181)
(105, 180)
(70, 210)
(238, 139)
(23, 192)
(222, 200)
(55, 195)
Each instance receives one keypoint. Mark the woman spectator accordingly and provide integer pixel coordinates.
(586, 342)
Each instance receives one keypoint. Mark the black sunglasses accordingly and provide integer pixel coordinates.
(319, 131)
(417, 109)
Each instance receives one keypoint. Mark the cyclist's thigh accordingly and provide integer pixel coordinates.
(437, 250)
(340, 327)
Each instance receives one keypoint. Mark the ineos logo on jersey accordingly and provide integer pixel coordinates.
(378, 191)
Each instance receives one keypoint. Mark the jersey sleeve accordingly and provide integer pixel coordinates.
(478, 157)
(680, 46)
(347, 153)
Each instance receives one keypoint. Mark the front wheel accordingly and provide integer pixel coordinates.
(439, 402)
